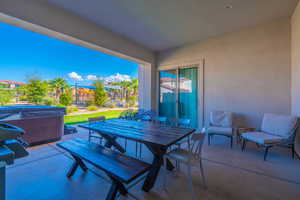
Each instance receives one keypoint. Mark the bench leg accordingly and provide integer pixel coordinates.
(80, 163)
(113, 191)
(116, 187)
(73, 169)
(77, 162)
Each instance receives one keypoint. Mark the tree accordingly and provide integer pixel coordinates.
(66, 98)
(36, 90)
(6, 96)
(58, 85)
(100, 96)
(135, 86)
(116, 90)
(125, 85)
(21, 93)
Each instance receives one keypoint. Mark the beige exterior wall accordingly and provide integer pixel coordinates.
(295, 61)
(247, 72)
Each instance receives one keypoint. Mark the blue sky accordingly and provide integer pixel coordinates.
(24, 53)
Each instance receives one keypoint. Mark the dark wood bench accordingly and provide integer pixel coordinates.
(120, 168)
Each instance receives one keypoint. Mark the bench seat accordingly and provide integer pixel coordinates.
(119, 167)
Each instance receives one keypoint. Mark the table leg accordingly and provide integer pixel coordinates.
(111, 141)
(155, 166)
(72, 169)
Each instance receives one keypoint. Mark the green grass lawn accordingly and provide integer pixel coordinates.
(76, 119)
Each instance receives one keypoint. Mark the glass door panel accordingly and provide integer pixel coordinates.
(168, 93)
(188, 95)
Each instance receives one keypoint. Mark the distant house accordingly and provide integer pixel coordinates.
(85, 93)
(10, 84)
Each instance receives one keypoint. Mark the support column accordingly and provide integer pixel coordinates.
(145, 86)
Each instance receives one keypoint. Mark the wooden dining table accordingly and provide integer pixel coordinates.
(156, 137)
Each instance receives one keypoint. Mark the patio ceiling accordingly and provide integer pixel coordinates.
(159, 25)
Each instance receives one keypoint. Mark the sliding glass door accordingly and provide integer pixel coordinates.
(168, 94)
(179, 94)
(188, 95)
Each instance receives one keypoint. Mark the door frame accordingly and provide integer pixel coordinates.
(200, 64)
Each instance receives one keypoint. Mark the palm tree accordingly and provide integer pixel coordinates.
(126, 89)
(58, 85)
(135, 86)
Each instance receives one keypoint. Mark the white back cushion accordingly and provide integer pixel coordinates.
(221, 119)
(280, 125)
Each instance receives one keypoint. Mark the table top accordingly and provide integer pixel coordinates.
(145, 132)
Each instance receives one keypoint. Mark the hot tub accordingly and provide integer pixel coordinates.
(42, 124)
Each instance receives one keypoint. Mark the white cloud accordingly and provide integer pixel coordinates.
(75, 76)
(117, 78)
(92, 77)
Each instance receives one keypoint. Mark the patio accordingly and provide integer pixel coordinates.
(230, 174)
(237, 56)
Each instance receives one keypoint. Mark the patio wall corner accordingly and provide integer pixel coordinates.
(295, 60)
(247, 72)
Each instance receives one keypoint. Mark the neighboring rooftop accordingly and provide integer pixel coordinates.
(9, 82)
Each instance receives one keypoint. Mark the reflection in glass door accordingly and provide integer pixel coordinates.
(188, 95)
(179, 94)
(168, 94)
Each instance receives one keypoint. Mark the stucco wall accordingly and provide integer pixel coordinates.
(295, 61)
(247, 72)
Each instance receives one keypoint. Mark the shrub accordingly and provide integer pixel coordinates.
(59, 105)
(112, 105)
(6, 96)
(49, 101)
(90, 102)
(66, 98)
(71, 109)
(92, 108)
(127, 105)
(128, 114)
(23, 98)
(132, 101)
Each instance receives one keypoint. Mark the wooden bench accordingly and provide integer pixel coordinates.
(120, 168)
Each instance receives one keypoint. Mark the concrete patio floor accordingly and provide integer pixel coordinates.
(230, 174)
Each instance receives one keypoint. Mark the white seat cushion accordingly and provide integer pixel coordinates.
(219, 130)
(221, 119)
(262, 138)
(279, 125)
